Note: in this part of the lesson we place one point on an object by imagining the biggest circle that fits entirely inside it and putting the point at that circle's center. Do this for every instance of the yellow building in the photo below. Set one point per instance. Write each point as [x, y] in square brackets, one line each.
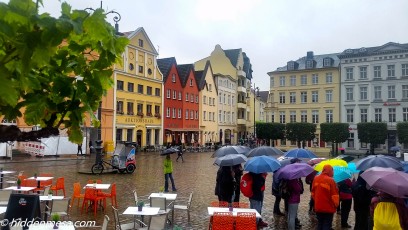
[208, 105]
[306, 90]
[138, 94]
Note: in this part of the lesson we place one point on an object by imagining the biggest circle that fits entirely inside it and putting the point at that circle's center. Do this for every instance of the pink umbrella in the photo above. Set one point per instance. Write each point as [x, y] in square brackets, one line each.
[387, 180]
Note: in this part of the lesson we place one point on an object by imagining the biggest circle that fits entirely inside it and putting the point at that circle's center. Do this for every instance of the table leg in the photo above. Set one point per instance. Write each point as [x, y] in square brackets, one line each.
[46, 209]
[1, 181]
[38, 184]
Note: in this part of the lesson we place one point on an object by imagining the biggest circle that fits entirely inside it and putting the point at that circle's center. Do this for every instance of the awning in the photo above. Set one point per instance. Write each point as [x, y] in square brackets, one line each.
[125, 126]
[183, 130]
[153, 126]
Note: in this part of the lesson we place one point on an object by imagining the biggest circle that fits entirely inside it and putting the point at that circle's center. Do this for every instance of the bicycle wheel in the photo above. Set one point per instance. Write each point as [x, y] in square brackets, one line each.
[97, 168]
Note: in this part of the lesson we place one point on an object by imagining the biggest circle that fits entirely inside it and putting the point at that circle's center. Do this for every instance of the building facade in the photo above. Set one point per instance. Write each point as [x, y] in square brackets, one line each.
[306, 90]
[374, 87]
[138, 93]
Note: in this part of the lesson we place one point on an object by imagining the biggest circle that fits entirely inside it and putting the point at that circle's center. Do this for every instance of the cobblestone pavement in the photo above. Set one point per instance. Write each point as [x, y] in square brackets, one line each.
[196, 174]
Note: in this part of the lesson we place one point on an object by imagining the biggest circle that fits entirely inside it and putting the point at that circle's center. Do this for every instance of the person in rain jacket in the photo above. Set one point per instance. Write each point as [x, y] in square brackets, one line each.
[168, 172]
[326, 196]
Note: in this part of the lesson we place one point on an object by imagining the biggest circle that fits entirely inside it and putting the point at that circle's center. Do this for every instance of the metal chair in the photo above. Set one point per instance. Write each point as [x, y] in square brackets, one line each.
[184, 204]
[124, 224]
[60, 207]
[165, 208]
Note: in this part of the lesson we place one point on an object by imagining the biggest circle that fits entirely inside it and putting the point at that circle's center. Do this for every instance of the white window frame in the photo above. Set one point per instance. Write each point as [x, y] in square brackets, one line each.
[173, 77]
[392, 115]
[404, 91]
[349, 73]
[363, 72]
[391, 71]
[329, 116]
[363, 92]
[315, 96]
[364, 115]
[378, 115]
[187, 114]
[303, 97]
[377, 92]
[315, 116]
[282, 81]
[168, 93]
[377, 72]
[349, 94]
[391, 92]
[315, 79]
[168, 111]
[179, 113]
[303, 80]
[329, 95]
[329, 78]
[293, 80]
[404, 70]
[292, 97]
[350, 115]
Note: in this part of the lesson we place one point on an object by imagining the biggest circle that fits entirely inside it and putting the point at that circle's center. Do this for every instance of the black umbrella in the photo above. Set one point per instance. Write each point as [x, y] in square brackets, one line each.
[264, 151]
[379, 161]
[346, 158]
[169, 151]
[230, 160]
[227, 150]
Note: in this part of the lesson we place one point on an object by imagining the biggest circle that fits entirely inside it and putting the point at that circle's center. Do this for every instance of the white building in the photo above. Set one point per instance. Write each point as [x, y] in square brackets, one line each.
[374, 87]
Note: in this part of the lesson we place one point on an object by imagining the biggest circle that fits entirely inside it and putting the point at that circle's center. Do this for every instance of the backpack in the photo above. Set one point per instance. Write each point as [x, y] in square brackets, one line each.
[386, 216]
[284, 189]
[246, 185]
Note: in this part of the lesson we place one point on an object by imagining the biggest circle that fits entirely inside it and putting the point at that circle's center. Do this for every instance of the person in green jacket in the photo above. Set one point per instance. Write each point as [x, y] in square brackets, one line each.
[168, 172]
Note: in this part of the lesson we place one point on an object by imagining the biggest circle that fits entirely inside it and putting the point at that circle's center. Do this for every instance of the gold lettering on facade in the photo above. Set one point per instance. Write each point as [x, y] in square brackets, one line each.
[139, 120]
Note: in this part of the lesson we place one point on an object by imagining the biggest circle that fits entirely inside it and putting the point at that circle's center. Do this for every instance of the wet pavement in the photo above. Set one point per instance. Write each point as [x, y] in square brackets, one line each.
[197, 174]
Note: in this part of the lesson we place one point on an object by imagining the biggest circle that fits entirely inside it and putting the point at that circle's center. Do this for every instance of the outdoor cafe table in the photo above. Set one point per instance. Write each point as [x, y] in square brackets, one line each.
[146, 211]
[211, 211]
[97, 186]
[40, 178]
[50, 226]
[2, 173]
[168, 196]
[21, 189]
[3, 209]
[47, 199]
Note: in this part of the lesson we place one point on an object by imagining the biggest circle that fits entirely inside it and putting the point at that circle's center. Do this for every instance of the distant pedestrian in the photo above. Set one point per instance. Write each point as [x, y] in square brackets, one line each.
[326, 197]
[79, 149]
[180, 154]
[168, 173]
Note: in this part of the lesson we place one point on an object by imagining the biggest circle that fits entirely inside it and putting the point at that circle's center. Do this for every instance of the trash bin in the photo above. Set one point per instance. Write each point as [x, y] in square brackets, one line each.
[405, 156]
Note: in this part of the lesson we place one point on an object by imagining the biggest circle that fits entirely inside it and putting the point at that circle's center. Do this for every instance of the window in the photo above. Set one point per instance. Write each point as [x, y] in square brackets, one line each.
[119, 133]
[168, 112]
[377, 71]
[391, 70]
[282, 80]
[378, 115]
[377, 92]
[392, 115]
[223, 117]
[119, 107]
[119, 85]
[179, 96]
[291, 65]
[309, 64]
[157, 109]
[149, 90]
[303, 80]
[350, 141]
[282, 117]
[187, 114]
[349, 74]
[173, 77]
[363, 72]
[130, 87]
[315, 116]
[363, 93]
[191, 82]
[405, 114]
[140, 42]
[404, 69]
[350, 115]
[149, 110]
[191, 98]
[196, 99]
[196, 115]
[140, 108]
[303, 97]
[129, 135]
[292, 97]
[315, 79]
[229, 100]
[179, 113]
[282, 98]
[329, 116]
[223, 99]
[140, 89]
[349, 94]
[329, 95]
[219, 116]
[210, 87]
[292, 116]
[329, 78]
[174, 113]
[391, 92]
[233, 116]
[157, 92]
[220, 98]
[130, 108]
[140, 69]
[186, 96]
[405, 92]
[293, 80]
[327, 62]
[315, 96]
[303, 116]
[363, 115]
[174, 94]
[168, 93]
[273, 117]
[233, 100]
[204, 100]
[204, 115]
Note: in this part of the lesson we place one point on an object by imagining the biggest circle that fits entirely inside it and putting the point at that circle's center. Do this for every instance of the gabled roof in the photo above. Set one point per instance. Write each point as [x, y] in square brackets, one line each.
[184, 71]
[247, 66]
[233, 56]
[131, 34]
[264, 95]
[200, 76]
[390, 47]
[165, 65]
[318, 63]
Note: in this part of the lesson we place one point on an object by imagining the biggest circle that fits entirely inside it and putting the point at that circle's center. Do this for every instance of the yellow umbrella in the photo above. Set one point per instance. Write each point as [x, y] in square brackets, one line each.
[332, 162]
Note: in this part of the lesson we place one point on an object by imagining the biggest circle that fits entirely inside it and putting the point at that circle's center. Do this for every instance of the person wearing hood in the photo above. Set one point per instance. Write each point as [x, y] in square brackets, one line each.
[326, 196]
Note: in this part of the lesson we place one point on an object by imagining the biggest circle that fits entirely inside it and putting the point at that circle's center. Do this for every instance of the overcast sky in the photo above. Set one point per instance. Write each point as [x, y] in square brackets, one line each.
[271, 32]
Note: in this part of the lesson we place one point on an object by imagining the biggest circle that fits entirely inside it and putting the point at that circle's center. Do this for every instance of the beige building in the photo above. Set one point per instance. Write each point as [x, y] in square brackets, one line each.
[208, 106]
[306, 90]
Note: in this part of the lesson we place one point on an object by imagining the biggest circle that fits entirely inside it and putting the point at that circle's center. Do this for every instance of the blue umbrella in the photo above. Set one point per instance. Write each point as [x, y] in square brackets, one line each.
[264, 151]
[352, 167]
[294, 171]
[395, 148]
[405, 166]
[340, 173]
[262, 164]
[300, 153]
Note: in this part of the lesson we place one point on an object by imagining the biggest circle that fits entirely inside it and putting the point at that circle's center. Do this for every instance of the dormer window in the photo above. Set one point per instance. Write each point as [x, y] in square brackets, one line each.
[327, 62]
[309, 64]
[291, 65]
[173, 77]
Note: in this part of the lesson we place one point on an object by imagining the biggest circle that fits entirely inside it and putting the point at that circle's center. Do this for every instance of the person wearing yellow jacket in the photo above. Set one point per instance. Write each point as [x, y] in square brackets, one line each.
[326, 196]
[168, 172]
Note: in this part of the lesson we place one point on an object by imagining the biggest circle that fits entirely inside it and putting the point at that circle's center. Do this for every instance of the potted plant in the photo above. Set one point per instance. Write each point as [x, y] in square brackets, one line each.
[35, 175]
[50, 194]
[18, 183]
[94, 184]
[55, 218]
[161, 190]
[140, 205]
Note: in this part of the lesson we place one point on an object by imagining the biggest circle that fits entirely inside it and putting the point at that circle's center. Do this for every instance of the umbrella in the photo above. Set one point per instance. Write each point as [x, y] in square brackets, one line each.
[380, 161]
[340, 173]
[405, 166]
[341, 149]
[288, 160]
[352, 167]
[345, 157]
[262, 164]
[230, 160]
[395, 148]
[169, 151]
[315, 161]
[294, 171]
[332, 162]
[301, 153]
[387, 180]
[264, 151]
[226, 150]
[243, 149]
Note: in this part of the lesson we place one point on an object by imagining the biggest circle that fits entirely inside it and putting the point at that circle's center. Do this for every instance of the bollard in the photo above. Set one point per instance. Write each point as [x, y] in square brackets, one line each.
[98, 149]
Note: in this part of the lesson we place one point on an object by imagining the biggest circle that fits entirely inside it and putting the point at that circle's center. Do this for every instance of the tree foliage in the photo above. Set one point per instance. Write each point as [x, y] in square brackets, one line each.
[402, 132]
[372, 132]
[39, 58]
[300, 132]
[270, 131]
[335, 133]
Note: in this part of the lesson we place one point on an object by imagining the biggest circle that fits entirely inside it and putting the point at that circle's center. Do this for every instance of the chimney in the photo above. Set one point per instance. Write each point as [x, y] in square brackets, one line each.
[309, 55]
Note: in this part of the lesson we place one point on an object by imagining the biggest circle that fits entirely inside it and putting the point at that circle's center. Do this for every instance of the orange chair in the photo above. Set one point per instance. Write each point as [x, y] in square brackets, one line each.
[111, 195]
[219, 204]
[60, 185]
[245, 221]
[77, 194]
[92, 181]
[222, 221]
[240, 204]
[47, 182]
[92, 197]
[31, 183]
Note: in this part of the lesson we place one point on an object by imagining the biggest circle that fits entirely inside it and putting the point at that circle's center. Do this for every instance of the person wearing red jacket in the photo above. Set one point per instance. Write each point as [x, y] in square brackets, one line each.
[326, 196]
[346, 198]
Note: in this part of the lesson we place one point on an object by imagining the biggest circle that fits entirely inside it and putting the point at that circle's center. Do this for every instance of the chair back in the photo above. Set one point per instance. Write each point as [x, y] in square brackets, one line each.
[135, 196]
[30, 182]
[158, 202]
[77, 189]
[90, 194]
[47, 190]
[245, 221]
[240, 204]
[45, 175]
[219, 204]
[158, 222]
[105, 223]
[60, 206]
[97, 181]
[223, 221]
[60, 183]
[116, 217]
[190, 199]
[5, 196]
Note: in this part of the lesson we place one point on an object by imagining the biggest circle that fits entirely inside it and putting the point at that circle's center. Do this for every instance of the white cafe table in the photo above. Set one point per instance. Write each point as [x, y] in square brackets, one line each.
[3, 209]
[40, 178]
[50, 226]
[146, 211]
[211, 211]
[168, 196]
[47, 198]
[21, 189]
[97, 186]
[2, 173]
